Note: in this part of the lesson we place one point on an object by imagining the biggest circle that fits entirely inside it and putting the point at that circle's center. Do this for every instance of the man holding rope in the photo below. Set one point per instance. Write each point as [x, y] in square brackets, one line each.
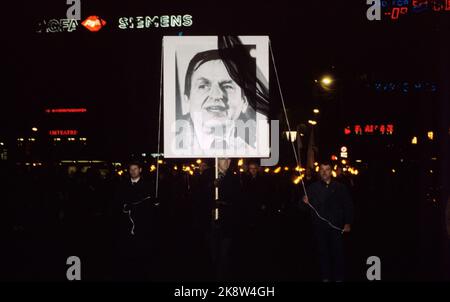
[332, 204]
[135, 227]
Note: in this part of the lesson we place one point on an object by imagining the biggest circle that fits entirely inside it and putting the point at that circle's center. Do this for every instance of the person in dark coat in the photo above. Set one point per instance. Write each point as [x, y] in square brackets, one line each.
[202, 197]
[255, 224]
[225, 227]
[332, 201]
[135, 227]
[202, 193]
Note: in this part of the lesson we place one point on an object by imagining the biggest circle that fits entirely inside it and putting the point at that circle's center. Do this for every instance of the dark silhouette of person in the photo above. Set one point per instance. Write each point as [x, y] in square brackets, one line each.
[332, 201]
[135, 227]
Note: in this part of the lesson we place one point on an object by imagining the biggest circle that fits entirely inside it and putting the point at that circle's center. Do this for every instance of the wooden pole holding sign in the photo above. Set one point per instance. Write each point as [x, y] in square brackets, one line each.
[216, 208]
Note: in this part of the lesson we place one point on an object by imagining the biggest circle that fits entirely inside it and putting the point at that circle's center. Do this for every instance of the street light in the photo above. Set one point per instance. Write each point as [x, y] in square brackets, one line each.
[312, 122]
[291, 135]
[34, 129]
[326, 80]
[316, 111]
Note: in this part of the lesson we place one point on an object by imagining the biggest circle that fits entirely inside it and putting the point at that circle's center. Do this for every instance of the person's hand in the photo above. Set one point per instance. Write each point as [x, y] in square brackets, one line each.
[305, 199]
[347, 228]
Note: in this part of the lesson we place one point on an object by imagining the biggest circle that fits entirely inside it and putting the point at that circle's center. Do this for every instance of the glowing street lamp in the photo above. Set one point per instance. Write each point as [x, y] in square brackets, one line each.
[326, 80]
[34, 129]
[312, 122]
[291, 135]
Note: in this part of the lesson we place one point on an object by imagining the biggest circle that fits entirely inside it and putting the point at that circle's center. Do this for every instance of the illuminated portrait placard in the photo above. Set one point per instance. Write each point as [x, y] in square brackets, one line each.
[216, 96]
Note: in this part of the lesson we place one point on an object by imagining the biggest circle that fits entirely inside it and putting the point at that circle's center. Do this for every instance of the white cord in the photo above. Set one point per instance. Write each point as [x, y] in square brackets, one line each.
[326, 220]
[297, 157]
[129, 211]
[131, 219]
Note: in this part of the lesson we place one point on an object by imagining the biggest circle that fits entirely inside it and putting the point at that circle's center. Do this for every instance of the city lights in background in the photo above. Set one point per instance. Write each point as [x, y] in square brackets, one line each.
[370, 129]
[430, 135]
[291, 135]
[66, 110]
[297, 173]
[414, 140]
[326, 83]
[344, 152]
[63, 132]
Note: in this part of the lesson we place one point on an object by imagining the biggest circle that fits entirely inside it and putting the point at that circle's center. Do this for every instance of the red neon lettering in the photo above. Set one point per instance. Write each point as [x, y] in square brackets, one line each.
[368, 129]
[63, 132]
[395, 13]
[390, 128]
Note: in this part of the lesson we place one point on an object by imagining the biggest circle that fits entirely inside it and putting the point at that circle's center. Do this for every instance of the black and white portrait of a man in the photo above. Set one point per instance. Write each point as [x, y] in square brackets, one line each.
[215, 97]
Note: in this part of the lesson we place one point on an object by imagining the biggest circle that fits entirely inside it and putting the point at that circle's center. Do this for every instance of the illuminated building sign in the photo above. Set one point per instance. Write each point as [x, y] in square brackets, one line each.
[370, 129]
[62, 132]
[93, 23]
[394, 9]
[141, 22]
[66, 110]
[404, 86]
[57, 26]
[344, 152]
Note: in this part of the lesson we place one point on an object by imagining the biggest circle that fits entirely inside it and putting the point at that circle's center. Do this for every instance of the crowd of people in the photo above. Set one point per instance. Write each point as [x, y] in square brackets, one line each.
[258, 227]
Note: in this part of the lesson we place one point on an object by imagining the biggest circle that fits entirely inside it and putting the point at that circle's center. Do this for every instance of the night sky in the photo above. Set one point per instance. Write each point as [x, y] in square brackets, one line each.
[115, 73]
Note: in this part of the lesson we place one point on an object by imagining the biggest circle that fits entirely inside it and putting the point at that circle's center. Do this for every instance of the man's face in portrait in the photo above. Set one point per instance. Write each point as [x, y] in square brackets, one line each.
[214, 96]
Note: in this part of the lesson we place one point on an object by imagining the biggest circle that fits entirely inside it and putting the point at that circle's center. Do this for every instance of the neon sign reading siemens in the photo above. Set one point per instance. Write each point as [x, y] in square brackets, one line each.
[143, 22]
